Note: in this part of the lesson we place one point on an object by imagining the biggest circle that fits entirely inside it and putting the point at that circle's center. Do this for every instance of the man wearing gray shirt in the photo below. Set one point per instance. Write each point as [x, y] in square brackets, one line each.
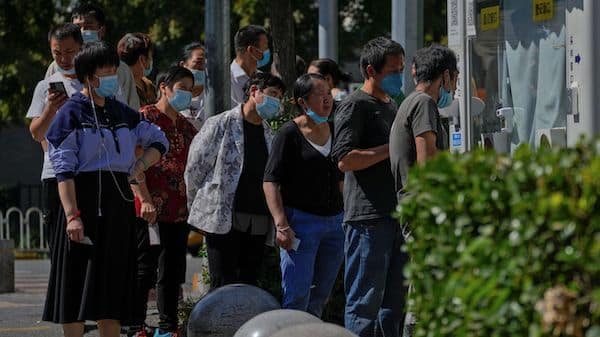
[417, 133]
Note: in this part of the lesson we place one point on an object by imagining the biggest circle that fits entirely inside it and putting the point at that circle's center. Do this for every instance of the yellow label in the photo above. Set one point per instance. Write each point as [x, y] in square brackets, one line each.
[543, 10]
[490, 18]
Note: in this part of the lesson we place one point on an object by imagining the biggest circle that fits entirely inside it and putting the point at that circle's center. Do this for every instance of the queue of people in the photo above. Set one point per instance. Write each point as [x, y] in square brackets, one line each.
[130, 164]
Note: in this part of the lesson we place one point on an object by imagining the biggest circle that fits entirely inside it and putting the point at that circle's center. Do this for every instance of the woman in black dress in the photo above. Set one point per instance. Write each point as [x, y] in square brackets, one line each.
[91, 143]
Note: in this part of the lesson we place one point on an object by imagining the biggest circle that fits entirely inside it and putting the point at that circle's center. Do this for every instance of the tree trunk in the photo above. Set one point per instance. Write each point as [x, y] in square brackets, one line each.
[282, 23]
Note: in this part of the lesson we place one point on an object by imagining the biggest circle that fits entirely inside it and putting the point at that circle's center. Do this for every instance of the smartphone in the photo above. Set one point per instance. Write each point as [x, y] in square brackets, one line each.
[58, 87]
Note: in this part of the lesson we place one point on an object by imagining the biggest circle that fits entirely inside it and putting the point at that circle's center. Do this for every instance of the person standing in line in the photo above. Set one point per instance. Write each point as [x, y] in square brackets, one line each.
[92, 143]
[137, 51]
[65, 42]
[251, 52]
[303, 190]
[161, 201]
[224, 179]
[417, 132]
[332, 73]
[194, 59]
[374, 283]
[92, 21]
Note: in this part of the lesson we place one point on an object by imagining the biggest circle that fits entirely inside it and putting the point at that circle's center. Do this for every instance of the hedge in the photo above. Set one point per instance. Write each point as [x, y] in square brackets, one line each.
[505, 246]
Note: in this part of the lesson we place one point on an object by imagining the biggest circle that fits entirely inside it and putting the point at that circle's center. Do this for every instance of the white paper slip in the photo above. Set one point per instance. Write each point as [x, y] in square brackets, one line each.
[295, 243]
[153, 234]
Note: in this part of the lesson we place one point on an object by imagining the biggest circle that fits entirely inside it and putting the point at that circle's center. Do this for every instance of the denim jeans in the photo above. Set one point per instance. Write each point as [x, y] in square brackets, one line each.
[309, 273]
[373, 278]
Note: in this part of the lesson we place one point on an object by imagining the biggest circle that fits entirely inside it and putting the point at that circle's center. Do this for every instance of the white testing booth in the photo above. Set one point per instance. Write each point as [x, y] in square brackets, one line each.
[533, 70]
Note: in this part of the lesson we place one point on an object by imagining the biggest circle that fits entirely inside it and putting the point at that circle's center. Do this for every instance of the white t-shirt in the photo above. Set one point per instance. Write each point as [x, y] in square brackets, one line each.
[38, 102]
[325, 149]
[238, 81]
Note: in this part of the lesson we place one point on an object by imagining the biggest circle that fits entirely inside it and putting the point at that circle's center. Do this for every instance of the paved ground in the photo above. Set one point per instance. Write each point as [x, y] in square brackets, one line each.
[20, 312]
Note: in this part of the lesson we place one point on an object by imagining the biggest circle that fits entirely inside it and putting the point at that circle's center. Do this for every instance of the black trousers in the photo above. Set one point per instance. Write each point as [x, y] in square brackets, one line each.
[170, 259]
[50, 208]
[234, 257]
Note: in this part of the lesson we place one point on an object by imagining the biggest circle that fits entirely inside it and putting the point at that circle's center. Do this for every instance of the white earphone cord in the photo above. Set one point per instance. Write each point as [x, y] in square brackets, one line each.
[107, 159]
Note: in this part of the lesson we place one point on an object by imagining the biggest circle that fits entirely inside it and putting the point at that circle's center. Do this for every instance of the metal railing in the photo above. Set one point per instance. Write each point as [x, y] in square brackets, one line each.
[15, 223]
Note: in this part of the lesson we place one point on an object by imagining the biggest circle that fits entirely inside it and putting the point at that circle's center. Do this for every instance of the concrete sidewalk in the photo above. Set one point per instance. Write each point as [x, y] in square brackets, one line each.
[20, 312]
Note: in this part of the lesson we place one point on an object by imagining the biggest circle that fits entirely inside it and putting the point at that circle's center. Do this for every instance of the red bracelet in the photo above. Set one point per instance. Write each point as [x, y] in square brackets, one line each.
[75, 216]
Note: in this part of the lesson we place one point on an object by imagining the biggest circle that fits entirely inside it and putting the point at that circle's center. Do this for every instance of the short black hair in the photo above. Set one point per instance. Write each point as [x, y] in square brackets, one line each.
[263, 81]
[375, 52]
[431, 62]
[247, 36]
[300, 66]
[94, 55]
[65, 31]
[89, 9]
[173, 75]
[189, 48]
[132, 46]
[330, 67]
[303, 86]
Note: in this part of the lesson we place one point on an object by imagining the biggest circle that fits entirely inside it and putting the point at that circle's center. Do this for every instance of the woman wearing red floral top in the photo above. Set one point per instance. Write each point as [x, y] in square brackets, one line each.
[161, 199]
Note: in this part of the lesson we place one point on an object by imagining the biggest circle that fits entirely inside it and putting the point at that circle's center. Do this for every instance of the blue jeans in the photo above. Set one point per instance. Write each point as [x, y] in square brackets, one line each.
[373, 280]
[309, 273]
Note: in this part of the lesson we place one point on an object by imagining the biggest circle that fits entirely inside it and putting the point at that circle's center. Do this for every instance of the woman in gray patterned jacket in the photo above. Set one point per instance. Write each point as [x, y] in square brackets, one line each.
[223, 176]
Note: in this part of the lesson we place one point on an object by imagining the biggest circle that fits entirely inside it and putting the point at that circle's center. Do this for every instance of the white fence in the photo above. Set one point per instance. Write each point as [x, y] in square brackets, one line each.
[22, 223]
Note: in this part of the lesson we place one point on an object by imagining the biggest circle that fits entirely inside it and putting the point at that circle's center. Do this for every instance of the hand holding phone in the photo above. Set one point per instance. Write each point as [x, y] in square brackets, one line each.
[58, 87]
[57, 96]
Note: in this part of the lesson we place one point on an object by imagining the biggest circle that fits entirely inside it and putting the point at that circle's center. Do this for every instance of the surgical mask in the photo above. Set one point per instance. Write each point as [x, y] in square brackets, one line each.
[392, 84]
[181, 100]
[108, 86]
[318, 119]
[148, 71]
[65, 71]
[90, 36]
[445, 98]
[199, 76]
[269, 108]
[265, 59]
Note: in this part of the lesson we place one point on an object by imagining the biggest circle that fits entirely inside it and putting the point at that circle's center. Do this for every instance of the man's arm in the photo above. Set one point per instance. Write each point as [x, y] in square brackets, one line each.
[39, 125]
[425, 144]
[360, 159]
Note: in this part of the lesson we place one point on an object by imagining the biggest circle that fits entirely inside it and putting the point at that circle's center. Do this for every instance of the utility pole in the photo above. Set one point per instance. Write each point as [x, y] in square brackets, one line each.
[328, 29]
[407, 29]
[218, 54]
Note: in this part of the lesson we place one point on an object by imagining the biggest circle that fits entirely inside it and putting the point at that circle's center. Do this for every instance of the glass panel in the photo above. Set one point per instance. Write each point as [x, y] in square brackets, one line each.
[518, 64]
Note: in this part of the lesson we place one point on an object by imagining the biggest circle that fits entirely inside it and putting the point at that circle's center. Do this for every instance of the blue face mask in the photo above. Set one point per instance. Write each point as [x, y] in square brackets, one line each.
[199, 77]
[265, 59]
[445, 98]
[65, 71]
[148, 71]
[392, 84]
[90, 36]
[108, 86]
[181, 100]
[318, 119]
[269, 108]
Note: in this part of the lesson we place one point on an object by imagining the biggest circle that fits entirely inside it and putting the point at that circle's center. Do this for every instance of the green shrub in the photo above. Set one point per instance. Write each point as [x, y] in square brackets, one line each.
[505, 246]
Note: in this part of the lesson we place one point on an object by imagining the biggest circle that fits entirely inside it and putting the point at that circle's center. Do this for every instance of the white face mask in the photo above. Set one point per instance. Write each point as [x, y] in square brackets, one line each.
[90, 36]
[65, 71]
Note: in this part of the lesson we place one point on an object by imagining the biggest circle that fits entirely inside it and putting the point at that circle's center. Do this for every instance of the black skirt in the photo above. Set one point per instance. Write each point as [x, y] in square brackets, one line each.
[95, 282]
